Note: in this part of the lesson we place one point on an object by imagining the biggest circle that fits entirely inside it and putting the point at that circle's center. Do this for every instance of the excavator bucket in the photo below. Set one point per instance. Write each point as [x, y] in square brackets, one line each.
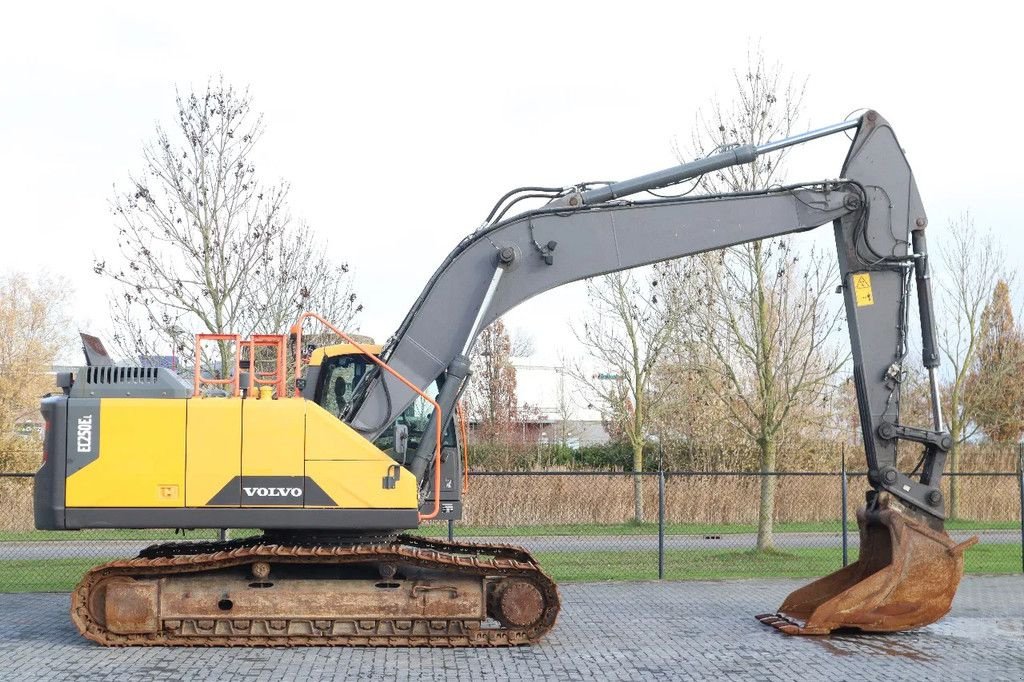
[905, 578]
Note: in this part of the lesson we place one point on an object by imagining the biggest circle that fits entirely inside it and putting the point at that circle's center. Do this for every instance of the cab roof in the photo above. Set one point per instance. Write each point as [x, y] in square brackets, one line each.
[318, 355]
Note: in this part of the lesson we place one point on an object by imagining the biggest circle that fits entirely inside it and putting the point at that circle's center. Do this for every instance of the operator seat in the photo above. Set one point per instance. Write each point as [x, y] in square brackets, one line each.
[340, 391]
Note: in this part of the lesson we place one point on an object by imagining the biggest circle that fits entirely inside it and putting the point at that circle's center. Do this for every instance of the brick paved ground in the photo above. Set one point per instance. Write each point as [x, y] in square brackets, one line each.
[628, 631]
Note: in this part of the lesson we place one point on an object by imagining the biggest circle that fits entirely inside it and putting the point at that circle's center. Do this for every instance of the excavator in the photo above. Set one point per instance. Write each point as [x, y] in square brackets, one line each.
[336, 460]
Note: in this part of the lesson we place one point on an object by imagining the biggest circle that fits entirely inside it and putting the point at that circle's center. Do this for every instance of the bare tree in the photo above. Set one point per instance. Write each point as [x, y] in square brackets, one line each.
[765, 334]
[520, 344]
[565, 408]
[707, 436]
[492, 397]
[33, 330]
[625, 335]
[765, 326]
[302, 277]
[995, 378]
[973, 267]
[206, 244]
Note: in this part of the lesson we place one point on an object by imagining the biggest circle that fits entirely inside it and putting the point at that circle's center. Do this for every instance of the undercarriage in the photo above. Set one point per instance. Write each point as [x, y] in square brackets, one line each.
[383, 591]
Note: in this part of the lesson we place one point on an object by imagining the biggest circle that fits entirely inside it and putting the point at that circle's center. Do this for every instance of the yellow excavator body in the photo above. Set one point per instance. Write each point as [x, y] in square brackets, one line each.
[211, 453]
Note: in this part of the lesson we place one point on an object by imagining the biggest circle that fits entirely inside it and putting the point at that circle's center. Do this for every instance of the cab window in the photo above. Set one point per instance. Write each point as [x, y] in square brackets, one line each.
[417, 418]
[339, 377]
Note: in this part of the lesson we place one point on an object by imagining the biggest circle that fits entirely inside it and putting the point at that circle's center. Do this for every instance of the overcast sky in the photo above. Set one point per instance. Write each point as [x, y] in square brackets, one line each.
[399, 125]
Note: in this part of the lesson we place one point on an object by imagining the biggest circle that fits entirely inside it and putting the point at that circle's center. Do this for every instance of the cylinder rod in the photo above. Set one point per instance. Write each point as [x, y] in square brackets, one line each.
[925, 305]
[807, 137]
[482, 310]
[687, 171]
[933, 382]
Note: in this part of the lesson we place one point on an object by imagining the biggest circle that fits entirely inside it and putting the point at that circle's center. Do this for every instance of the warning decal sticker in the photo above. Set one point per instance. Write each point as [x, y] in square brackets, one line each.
[862, 289]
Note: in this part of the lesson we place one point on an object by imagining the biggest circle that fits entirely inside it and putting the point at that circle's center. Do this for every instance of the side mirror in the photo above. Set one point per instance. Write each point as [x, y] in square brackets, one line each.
[401, 439]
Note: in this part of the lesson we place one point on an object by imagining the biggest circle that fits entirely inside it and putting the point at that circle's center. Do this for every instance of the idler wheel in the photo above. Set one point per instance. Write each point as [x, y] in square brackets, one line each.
[518, 604]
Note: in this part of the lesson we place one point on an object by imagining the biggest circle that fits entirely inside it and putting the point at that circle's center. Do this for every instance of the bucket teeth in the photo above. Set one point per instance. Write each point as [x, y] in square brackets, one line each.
[784, 624]
[788, 625]
[905, 578]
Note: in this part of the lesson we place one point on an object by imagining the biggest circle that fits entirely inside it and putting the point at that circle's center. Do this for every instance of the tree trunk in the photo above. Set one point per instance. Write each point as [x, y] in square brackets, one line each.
[638, 487]
[226, 360]
[766, 509]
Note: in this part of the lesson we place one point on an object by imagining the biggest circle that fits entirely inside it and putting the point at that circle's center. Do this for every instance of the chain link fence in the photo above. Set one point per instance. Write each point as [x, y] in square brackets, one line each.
[600, 525]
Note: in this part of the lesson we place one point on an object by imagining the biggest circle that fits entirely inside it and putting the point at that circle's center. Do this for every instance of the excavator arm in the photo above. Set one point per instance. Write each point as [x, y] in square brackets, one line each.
[879, 229]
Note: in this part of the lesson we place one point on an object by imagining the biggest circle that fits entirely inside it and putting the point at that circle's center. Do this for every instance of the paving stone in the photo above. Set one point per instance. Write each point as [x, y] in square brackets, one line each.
[614, 631]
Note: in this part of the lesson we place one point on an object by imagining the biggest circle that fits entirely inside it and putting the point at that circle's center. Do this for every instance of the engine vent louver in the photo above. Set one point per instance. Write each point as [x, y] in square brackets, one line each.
[108, 381]
[109, 375]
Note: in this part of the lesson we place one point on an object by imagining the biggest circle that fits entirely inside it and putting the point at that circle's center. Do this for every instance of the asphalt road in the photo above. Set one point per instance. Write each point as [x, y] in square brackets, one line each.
[606, 631]
[547, 543]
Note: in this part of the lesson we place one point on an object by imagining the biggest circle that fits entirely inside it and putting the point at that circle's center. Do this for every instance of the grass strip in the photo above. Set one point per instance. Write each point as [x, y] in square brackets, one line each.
[441, 530]
[699, 564]
[61, 575]
[590, 529]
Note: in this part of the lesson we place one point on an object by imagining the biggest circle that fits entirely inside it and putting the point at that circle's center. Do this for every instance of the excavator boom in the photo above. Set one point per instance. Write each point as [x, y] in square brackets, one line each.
[878, 217]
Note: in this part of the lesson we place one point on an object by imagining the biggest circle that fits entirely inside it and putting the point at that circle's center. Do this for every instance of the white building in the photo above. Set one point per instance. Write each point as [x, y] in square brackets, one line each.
[554, 407]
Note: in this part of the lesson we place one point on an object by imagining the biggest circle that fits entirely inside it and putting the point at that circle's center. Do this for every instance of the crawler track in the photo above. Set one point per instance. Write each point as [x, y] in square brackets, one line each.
[518, 602]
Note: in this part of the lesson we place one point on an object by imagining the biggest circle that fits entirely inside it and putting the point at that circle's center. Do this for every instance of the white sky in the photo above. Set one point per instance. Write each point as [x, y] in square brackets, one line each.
[399, 125]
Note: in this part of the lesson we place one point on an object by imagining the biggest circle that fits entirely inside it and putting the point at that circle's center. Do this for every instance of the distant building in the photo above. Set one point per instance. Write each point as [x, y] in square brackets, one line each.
[554, 407]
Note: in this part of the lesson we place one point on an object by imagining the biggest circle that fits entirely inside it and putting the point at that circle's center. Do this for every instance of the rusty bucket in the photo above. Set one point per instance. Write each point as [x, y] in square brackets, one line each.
[905, 578]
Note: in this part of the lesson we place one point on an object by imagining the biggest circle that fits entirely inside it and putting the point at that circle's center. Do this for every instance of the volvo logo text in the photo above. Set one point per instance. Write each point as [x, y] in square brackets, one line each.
[273, 492]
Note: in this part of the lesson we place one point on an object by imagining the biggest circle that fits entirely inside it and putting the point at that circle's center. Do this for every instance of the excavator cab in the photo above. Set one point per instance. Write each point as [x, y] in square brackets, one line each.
[332, 378]
[333, 373]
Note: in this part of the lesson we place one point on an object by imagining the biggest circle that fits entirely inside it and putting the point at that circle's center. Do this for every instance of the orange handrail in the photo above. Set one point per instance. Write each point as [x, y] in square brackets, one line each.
[275, 378]
[297, 331]
[464, 437]
[197, 375]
